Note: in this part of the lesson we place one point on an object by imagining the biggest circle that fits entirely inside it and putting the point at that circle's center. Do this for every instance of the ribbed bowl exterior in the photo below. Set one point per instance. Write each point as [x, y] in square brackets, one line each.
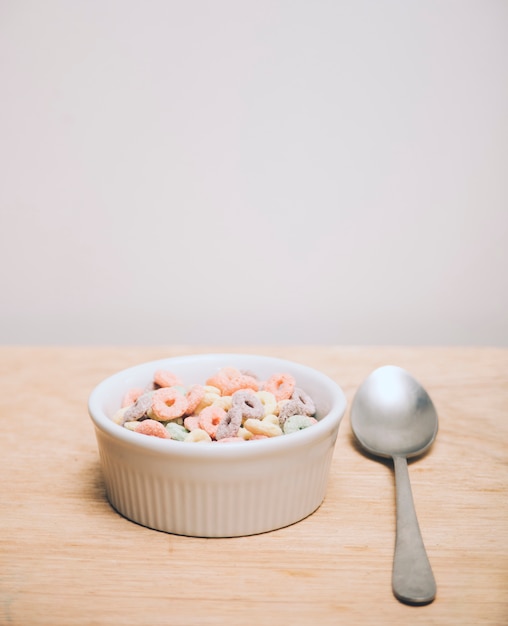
[220, 501]
[216, 490]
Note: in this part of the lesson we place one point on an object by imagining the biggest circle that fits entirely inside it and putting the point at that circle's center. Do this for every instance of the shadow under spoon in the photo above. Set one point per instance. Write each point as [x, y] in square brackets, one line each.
[393, 416]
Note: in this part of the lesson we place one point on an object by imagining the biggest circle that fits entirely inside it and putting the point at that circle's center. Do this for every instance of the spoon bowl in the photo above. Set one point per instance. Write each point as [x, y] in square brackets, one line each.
[393, 416]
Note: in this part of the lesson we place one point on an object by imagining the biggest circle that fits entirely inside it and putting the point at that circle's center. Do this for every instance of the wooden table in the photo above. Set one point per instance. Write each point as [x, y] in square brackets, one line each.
[67, 558]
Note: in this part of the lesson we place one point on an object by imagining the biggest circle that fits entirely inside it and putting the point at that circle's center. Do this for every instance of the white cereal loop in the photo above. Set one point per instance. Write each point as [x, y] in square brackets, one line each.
[198, 436]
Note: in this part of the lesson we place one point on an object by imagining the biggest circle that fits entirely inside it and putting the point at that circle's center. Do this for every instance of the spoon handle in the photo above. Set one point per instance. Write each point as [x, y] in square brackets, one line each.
[412, 578]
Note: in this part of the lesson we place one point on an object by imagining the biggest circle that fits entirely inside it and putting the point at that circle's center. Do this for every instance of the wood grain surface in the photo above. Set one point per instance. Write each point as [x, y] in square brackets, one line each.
[67, 558]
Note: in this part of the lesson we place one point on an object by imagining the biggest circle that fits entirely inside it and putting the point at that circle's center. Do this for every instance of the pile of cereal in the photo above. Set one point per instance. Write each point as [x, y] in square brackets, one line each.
[233, 405]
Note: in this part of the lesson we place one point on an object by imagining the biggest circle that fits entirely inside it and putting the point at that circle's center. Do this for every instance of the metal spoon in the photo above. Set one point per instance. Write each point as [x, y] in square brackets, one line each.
[393, 416]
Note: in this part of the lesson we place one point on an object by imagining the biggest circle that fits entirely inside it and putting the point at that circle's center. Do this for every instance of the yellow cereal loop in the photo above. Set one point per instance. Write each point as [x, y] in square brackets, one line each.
[271, 418]
[198, 435]
[224, 402]
[208, 399]
[268, 401]
[244, 433]
[262, 427]
[211, 389]
[119, 416]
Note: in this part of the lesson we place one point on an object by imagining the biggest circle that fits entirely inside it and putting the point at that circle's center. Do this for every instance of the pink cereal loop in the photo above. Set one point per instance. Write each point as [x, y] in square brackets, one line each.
[210, 418]
[165, 378]
[229, 380]
[131, 396]
[168, 404]
[281, 385]
[153, 428]
[194, 396]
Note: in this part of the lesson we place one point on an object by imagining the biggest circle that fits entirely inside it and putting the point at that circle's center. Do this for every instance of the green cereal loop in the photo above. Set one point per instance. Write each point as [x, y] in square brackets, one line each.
[297, 422]
[176, 431]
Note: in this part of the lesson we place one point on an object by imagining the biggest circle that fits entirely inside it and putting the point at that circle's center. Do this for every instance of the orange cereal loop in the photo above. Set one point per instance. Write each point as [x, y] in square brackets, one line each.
[168, 404]
[191, 422]
[165, 378]
[248, 382]
[194, 396]
[210, 418]
[152, 428]
[230, 379]
[131, 396]
[218, 379]
[281, 385]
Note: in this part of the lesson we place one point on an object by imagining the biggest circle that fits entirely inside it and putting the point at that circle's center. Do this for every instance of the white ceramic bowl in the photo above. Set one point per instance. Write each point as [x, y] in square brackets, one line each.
[209, 489]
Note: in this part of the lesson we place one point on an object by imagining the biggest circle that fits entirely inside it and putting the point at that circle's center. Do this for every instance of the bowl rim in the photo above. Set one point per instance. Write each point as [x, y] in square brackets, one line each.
[170, 447]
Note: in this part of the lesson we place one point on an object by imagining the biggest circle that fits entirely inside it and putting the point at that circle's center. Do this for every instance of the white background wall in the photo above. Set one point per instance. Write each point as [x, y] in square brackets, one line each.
[254, 171]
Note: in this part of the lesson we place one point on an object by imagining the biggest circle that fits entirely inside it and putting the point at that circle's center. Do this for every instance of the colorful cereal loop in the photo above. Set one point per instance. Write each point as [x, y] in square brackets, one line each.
[167, 404]
[210, 418]
[230, 425]
[165, 378]
[229, 380]
[152, 428]
[281, 385]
